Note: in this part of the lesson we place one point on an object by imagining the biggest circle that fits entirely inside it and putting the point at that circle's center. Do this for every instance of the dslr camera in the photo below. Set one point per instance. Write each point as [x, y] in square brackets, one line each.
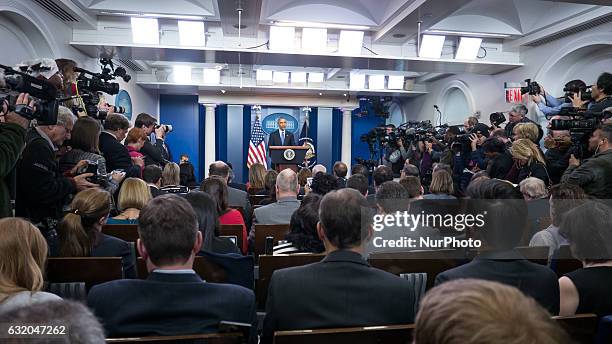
[13, 82]
[533, 88]
[497, 118]
[167, 127]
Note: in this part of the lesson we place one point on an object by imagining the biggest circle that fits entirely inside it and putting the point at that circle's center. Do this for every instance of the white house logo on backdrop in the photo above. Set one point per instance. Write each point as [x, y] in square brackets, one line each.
[124, 100]
[270, 123]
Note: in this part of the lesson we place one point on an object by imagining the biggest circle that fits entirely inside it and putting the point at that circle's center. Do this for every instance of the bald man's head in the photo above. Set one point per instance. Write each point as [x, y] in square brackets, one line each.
[287, 183]
[219, 169]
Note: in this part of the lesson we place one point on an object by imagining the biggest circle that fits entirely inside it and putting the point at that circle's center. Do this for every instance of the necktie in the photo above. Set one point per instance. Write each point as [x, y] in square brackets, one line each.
[282, 137]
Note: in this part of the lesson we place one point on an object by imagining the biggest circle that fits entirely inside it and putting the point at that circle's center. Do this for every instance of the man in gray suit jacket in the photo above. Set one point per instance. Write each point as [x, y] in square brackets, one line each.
[235, 197]
[287, 189]
[342, 290]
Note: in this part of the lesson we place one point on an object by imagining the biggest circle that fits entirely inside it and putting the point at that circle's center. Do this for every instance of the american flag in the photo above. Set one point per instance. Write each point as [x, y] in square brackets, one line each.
[257, 146]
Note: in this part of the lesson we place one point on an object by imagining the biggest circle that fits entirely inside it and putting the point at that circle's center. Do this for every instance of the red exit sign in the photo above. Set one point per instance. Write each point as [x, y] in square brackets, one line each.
[513, 95]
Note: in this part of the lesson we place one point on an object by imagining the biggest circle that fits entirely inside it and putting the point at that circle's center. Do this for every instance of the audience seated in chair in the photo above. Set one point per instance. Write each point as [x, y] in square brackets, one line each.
[342, 290]
[133, 196]
[80, 231]
[441, 185]
[588, 228]
[81, 326]
[340, 171]
[256, 184]
[152, 175]
[173, 300]
[287, 189]
[303, 176]
[302, 236]
[322, 183]
[381, 174]
[563, 198]
[235, 197]
[358, 182]
[171, 179]
[23, 253]
[217, 189]
[413, 186]
[270, 187]
[503, 228]
[205, 208]
[470, 311]
[536, 194]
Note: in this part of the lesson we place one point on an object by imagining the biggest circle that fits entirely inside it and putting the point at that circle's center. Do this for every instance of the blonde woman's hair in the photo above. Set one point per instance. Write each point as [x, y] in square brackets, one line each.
[171, 175]
[528, 131]
[525, 149]
[134, 193]
[76, 232]
[23, 254]
[257, 176]
[441, 182]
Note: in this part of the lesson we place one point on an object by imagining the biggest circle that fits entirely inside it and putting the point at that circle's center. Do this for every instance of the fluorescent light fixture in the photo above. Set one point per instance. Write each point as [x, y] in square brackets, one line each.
[314, 40]
[282, 38]
[263, 77]
[357, 81]
[396, 82]
[191, 33]
[320, 25]
[298, 78]
[212, 76]
[377, 82]
[431, 46]
[152, 15]
[468, 48]
[315, 78]
[280, 78]
[467, 33]
[181, 74]
[145, 31]
[350, 42]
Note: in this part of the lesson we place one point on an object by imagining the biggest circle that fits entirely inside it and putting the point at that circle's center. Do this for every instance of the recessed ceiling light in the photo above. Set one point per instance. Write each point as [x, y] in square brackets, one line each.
[431, 46]
[344, 94]
[241, 27]
[320, 93]
[223, 91]
[399, 35]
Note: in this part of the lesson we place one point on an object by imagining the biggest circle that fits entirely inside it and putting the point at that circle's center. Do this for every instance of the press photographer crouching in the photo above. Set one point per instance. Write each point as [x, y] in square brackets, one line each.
[595, 174]
[42, 190]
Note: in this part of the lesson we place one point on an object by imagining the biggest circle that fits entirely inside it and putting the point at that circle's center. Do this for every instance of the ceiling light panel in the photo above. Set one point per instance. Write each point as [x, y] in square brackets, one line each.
[263, 77]
[181, 74]
[396, 82]
[280, 78]
[431, 46]
[145, 31]
[212, 76]
[298, 79]
[350, 42]
[282, 38]
[357, 81]
[468, 48]
[191, 33]
[377, 82]
[314, 40]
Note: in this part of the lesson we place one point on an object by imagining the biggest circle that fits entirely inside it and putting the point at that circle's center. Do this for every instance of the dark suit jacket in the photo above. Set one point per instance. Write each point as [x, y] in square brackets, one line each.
[155, 154]
[170, 304]
[156, 192]
[275, 139]
[109, 246]
[509, 267]
[117, 156]
[340, 291]
[238, 186]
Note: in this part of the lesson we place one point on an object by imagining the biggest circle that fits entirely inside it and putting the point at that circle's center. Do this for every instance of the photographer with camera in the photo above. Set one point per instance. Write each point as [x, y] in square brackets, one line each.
[517, 115]
[12, 140]
[42, 190]
[595, 174]
[396, 153]
[155, 153]
[550, 105]
[558, 144]
[601, 94]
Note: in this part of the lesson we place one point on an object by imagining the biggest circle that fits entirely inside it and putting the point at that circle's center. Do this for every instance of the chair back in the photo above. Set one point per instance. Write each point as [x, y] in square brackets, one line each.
[232, 231]
[211, 338]
[75, 291]
[89, 270]
[278, 232]
[418, 281]
[239, 269]
[563, 261]
[396, 334]
[581, 327]
[123, 232]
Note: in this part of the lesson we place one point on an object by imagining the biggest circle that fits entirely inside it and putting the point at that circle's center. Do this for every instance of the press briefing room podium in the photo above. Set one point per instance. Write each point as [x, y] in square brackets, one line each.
[287, 156]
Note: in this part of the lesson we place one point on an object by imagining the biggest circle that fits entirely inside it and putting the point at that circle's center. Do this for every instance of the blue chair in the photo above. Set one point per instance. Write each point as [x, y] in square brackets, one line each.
[604, 333]
[239, 269]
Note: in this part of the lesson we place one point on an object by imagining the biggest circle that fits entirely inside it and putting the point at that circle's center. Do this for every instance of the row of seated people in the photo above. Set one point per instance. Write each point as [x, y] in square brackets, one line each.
[337, 291]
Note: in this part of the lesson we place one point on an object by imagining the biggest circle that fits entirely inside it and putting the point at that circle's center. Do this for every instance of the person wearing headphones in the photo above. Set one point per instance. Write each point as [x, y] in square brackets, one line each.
[595, 174]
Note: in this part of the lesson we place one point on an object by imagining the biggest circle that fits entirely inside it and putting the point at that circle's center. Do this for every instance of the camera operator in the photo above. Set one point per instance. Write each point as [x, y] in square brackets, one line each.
[12, 140]
[470, 123]
[601, 94]
[558, 145]
[156, 153]
[41, 189]
[446, 157]
[550, 105]
[116, 154]
[517, 115]
[595, 174]
[499, 159]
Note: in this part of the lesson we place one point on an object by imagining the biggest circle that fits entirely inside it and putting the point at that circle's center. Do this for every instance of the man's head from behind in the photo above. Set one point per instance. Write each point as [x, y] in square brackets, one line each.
[470, 311]
[346, 229]
[358, 182]
[392, 197]
[118, 124]
[413, 186]
[152, 175]
[219, 169]
[340, 169]
[382, 174]
[168, 230]
[360, 169]
[287, 184]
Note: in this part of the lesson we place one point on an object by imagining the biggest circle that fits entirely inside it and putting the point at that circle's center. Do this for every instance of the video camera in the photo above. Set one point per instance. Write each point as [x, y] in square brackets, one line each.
[533, 88]
[580, 125]
[89, 85]
[14, 82]
[585, 93]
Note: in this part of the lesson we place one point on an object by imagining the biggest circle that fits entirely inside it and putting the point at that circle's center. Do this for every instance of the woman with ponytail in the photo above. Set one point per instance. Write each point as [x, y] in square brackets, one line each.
[80, 231]
[23, 254]
[529, 161]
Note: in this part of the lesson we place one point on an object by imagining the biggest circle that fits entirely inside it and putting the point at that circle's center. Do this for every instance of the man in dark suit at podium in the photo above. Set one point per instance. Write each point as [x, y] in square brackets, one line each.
[281, 136]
